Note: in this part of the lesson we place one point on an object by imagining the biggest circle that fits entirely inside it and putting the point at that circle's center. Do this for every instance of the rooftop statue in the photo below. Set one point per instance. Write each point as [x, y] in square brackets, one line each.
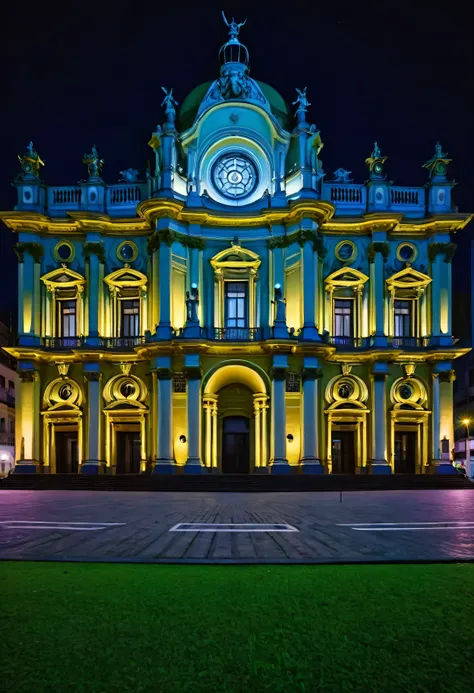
[376, 151]
[234, 28]
[313, 147]
[342, 176]
[30, 161]
[302, 101]
[438, 163]
[94, 163]
[439, 151]
[130, 175]
[169, 102]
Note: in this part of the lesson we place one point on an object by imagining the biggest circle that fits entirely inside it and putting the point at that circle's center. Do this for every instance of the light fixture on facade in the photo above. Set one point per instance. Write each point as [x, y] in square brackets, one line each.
[182, 439]
[289, 438]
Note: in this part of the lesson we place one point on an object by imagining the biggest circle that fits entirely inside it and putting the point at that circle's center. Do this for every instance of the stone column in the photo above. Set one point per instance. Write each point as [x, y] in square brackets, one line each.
[435, 421]
[379, 464]
[93, 293]
[192, 371]
[165, 463]
[27, 426]
[446, 377]
[436, 296]
[379, 294]
[165, 278]
[310, 289]
[29, 299]
[208, 405]
[311, 375]
[214, 438]
[279, 462]
[93, 464]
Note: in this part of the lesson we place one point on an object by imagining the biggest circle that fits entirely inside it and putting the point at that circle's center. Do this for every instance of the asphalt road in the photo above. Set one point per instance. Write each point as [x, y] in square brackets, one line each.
[435, 525]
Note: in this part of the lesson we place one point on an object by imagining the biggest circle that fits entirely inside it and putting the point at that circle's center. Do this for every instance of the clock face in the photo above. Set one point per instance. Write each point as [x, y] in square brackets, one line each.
[235, 176]
[378, 168]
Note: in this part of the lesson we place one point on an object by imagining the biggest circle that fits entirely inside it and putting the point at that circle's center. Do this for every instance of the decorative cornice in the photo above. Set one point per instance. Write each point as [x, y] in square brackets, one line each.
[303, 236]
[94, 248]
[169, 237]
[378, 247]
[311, 373]
[447, 376]
[193, 372]
[446, 249]
[278, 373]
[36, 251]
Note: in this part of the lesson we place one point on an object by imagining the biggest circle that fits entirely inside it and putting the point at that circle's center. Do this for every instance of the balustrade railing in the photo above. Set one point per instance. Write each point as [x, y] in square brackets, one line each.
[409, 342]
[64, 196]
[124, 195]
[62, 342]
[121, 342]
[349, 342]
[236, 334]
[412, 197]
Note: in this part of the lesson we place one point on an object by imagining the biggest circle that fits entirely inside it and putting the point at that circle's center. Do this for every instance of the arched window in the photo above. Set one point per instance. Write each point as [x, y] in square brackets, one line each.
[127, 303]
[63, 303]
[345, 297]
[235, 304]
[407, 315]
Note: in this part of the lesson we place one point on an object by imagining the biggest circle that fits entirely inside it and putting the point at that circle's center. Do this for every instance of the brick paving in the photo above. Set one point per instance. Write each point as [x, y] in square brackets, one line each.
[148, 517]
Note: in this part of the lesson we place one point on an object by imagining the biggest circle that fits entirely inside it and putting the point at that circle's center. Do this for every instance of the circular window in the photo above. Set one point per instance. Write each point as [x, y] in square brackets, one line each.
[127, 251]
[127, 389]
[346, 251]
[235, 175]
[406, 252]
[64, 252]
[65, 391]
[405, 391]
[344, 391]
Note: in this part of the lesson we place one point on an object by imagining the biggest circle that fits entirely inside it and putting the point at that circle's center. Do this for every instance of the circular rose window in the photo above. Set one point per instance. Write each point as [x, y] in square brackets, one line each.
[235, 176]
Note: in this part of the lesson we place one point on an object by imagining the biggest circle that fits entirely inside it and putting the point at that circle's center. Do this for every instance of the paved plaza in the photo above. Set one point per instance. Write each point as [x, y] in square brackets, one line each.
[237, 527]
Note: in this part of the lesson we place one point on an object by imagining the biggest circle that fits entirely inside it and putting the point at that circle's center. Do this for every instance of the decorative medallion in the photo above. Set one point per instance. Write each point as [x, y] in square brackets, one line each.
[127, 251]
[407, 252]
[235, 175]
[346, 251]
[64, 251]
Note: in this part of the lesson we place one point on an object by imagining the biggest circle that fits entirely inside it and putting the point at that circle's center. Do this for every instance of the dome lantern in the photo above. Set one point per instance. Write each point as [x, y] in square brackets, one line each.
[233, 51]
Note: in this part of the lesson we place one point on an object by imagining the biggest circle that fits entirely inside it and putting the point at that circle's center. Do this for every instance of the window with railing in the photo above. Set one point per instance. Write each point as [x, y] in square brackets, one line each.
[403, 318]
[66, 319]
[236, 304]
[343, 317]
[130, 319]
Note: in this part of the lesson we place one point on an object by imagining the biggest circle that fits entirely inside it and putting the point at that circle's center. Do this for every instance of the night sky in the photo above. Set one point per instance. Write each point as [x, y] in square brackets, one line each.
[78, 74]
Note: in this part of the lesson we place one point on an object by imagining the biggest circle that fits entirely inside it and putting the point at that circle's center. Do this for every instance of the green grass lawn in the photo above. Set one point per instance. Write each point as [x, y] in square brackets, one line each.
[97, 628]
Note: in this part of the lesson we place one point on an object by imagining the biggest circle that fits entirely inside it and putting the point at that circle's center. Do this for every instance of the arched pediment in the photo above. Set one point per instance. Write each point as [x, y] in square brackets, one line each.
[236, 257]
[408, 278]
[346, 276]
[235, 373]
[126, 276]
[63, 277]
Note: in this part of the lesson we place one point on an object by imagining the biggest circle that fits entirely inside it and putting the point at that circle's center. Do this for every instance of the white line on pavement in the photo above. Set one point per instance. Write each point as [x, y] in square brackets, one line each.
[68, 527]
[405, 529]
[231, 527]
[444, 522]
[55, 522]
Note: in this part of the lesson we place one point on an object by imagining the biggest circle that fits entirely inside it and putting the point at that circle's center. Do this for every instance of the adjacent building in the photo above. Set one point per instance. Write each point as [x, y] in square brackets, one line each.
[237, 309]
[7, 404]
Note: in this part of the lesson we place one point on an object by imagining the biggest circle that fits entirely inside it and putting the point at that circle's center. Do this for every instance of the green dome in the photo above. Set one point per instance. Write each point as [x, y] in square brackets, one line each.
[190, 105]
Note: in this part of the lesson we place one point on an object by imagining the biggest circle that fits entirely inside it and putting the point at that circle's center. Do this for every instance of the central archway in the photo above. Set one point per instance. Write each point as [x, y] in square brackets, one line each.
[224, 413]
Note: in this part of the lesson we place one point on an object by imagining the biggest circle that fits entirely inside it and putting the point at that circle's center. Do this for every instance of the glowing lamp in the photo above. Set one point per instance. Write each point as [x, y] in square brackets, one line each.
[182, 439]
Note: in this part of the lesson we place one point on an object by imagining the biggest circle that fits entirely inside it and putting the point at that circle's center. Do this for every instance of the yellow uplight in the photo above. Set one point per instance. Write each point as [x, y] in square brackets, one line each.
[466, 422]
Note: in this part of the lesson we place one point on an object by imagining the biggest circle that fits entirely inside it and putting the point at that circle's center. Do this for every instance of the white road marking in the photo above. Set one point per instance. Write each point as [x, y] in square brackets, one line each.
[405, 529]
[71, 526]
[363, 524]
[232, 527]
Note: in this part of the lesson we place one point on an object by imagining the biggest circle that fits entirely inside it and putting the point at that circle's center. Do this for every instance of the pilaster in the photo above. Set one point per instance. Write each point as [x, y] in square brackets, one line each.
[379, 464]
[192, 370]
[279, 462]
[93, 464]
[165, 463]
[311, 376]
[27, 430]
[444, 376]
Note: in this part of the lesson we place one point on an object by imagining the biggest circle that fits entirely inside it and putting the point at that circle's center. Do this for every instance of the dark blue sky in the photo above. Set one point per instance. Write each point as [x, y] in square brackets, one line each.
[90, 73]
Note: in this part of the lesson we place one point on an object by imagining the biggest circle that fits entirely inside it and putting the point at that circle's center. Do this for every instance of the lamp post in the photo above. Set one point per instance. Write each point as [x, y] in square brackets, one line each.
[466, 422]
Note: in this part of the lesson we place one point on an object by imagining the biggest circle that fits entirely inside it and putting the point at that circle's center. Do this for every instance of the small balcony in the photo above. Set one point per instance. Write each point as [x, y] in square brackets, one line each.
[7, 439]
[350, 343]
[62, 342]
[121, 342]
[235, 334]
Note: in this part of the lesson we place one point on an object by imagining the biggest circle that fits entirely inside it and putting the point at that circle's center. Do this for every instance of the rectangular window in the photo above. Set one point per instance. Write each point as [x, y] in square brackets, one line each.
[11, 384]
[236, 308]
[343, 317]
[403, 319]
[179, 382]
[130, 322]
[2, 381]
[67, 318]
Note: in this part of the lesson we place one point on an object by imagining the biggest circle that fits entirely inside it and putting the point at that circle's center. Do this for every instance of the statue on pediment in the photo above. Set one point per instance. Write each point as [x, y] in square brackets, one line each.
[94, 163]
[169, 102]
[342, 176]
[302, 101]
[234, 28]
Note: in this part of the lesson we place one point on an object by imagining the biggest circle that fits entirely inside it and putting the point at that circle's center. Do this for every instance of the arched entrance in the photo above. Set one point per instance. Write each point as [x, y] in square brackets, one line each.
[236, 421]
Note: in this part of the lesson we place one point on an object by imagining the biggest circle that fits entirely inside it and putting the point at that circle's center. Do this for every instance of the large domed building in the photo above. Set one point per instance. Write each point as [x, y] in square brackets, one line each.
[238, 310]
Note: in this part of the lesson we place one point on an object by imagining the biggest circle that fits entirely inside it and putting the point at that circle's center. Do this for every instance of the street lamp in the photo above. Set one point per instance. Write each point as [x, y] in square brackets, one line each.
[466, 422]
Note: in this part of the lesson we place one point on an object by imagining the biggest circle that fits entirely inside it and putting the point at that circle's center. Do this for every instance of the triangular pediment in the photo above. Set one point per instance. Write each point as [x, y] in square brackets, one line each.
[63, 276]
[408, 278]
[126, 276]
[346, 276]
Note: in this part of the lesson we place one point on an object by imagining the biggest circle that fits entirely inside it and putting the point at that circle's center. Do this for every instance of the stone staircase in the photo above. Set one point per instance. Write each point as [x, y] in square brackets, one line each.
[233, 482]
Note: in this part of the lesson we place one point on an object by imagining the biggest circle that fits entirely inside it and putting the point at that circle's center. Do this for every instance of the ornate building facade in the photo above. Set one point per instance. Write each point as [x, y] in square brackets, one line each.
[237, 310]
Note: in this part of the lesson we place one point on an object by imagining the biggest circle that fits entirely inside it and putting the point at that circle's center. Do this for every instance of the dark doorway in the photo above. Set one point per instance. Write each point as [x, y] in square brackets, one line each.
[67, 460]
[235, 445]
[128, 452]
[343, 452]
[405, 452]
